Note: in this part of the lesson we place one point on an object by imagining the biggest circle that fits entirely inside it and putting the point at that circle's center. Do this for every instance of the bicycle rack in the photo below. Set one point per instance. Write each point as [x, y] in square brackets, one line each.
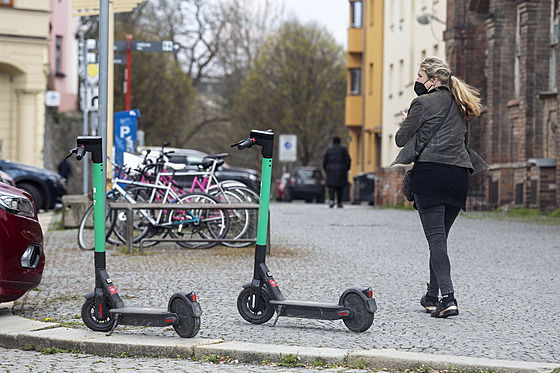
[129, 207]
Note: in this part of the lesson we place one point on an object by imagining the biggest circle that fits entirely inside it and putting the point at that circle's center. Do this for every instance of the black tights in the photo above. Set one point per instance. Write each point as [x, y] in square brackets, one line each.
[436, 222]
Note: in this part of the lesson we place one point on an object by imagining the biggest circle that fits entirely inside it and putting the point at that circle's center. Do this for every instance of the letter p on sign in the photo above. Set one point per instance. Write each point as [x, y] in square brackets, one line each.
[125, 130]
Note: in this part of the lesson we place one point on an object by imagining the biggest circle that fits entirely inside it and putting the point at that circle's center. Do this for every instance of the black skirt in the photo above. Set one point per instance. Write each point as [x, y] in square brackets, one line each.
[438, 183]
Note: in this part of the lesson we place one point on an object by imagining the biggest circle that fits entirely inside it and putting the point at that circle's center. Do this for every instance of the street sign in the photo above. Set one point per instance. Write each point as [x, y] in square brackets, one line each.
[125, 133]
[92, 73]
[287, 148]
[92, 98]
[119, 59]
[139, 46]
[148, 46]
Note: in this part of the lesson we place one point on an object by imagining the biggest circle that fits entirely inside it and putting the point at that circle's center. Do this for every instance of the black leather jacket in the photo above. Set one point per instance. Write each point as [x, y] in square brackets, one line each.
[449, 145]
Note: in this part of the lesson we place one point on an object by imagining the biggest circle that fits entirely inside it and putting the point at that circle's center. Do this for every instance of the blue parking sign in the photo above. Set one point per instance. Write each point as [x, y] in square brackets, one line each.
[125, 133]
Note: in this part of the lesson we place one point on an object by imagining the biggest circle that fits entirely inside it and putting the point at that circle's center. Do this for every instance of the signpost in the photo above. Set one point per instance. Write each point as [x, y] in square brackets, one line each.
[287, 148]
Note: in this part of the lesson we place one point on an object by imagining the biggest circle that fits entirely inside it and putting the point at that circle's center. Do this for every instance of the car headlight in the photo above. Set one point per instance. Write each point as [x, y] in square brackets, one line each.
[253, 177]
[16, 205]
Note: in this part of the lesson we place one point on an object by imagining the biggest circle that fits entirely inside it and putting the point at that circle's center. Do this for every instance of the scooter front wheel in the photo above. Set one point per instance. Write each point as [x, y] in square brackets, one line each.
[89, 317]
[260, 317]
[188, 325]
[361, 318]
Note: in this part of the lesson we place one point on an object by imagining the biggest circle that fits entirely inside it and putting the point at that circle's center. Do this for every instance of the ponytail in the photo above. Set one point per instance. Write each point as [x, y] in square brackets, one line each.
[466, 96]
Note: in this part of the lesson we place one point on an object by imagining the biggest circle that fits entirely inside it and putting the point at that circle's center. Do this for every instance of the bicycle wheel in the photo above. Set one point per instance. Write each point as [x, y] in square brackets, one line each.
[141, 226]
[86, 232]
[205, 223]
[248, 196]
[239, 219]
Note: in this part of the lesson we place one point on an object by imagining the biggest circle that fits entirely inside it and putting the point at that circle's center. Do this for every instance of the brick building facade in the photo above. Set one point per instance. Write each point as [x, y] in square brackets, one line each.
[507, 49]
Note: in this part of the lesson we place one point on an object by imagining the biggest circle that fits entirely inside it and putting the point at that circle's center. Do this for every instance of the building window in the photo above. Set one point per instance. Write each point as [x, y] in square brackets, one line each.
[7, 3]
[355, 81]
[517, 63]
[553, 47]
[356, 14]
[58, 55]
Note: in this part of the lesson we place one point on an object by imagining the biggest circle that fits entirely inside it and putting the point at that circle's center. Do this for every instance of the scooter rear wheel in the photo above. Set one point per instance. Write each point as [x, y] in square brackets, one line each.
[260, 317]
[91, 321]
[361, 319]
[188, 325]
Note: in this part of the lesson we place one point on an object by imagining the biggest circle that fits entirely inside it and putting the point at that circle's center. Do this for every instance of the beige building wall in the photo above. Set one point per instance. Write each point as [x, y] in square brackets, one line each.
[410, 42]
[23, 78]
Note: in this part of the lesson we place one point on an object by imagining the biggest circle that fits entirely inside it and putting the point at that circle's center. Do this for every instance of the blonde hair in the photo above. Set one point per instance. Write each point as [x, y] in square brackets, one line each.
[466, 96]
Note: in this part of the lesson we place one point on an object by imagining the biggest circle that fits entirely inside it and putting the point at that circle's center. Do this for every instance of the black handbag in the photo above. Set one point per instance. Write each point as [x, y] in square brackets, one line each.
[407, 180]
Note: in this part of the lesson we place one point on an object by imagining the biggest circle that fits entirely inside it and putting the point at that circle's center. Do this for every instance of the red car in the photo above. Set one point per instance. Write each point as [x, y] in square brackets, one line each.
[281, 185]
[21, 244]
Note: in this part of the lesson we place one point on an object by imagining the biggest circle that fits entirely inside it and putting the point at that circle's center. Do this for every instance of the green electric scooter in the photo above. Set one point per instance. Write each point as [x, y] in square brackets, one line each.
[261, 297]
[104, 309]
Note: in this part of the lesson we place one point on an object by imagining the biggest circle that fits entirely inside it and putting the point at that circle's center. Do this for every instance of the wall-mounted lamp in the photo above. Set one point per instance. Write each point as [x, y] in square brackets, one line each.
[425, 18]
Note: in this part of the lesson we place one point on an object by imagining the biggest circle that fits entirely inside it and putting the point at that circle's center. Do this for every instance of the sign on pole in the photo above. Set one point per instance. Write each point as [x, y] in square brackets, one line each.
[287, 148]
[125, 133]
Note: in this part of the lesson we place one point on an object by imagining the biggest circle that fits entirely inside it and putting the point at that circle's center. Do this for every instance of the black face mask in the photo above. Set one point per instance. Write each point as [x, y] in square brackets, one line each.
[420, 88]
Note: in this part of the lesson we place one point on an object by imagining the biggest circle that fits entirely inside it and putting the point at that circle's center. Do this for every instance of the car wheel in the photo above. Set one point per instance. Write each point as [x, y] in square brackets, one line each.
[288, 195]
[35, 193]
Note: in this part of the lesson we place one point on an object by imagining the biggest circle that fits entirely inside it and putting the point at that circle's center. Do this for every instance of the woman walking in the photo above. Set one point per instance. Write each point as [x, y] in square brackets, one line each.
[435, 132]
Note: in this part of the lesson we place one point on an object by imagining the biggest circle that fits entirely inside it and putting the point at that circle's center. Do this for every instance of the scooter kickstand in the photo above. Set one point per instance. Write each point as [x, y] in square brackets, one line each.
[114, 325]
[278, 313]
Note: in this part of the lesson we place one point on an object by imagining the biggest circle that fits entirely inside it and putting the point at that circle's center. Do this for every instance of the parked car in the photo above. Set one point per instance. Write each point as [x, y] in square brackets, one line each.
[45, 186]
[281, 186]
[306, 183]
[21, 244]
[7, 179]
[187, 157]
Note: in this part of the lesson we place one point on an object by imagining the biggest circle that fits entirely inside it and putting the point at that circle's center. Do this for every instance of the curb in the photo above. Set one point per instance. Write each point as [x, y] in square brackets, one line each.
[18, 332]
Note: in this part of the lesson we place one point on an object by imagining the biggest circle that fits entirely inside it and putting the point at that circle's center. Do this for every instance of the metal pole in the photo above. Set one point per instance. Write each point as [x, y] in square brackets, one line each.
[363, 83]
[103, 84]
[85, 131]
[128, 49]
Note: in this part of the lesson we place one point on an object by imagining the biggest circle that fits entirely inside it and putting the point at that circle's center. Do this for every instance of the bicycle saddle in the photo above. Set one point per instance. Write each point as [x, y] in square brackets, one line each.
[207, 163]
[216, 156]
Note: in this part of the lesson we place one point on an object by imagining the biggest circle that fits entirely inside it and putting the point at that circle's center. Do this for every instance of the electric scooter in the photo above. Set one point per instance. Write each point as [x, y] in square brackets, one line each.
[104, 309]
[260, 298]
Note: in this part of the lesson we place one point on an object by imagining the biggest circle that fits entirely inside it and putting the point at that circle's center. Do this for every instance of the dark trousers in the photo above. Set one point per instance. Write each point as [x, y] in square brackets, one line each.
[436, 222]
[338, 190]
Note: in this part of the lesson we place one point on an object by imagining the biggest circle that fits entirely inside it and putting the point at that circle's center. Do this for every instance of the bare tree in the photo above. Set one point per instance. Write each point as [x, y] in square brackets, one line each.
[297, 85]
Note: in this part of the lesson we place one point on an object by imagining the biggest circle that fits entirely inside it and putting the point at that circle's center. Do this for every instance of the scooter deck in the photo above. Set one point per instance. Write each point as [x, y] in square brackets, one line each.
[144, 316]
[311, 310]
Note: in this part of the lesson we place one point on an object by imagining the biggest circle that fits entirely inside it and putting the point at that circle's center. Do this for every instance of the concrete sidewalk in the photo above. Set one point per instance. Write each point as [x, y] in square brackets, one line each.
[19, 332]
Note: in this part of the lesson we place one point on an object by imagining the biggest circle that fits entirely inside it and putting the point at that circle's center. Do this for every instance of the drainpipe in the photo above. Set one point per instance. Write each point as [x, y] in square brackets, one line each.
[363, 88]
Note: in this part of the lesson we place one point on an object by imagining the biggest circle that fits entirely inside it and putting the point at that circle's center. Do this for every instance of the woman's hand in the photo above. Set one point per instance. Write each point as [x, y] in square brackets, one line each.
[403, 113]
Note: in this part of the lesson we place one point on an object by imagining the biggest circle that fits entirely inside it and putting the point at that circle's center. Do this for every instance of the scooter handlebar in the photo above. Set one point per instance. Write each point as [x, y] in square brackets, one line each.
[80, 151]
[244, 144]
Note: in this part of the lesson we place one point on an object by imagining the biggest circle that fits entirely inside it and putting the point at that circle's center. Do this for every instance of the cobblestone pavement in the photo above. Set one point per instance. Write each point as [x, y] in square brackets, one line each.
[14, 361]
[505, 275]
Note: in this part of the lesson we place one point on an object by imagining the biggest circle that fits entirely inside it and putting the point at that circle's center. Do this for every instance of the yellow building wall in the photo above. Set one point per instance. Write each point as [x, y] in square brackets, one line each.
[23, 80]
[364, 112]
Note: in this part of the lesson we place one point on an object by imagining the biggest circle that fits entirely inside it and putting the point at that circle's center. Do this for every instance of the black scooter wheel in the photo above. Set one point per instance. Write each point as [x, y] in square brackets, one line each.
[361, 319]
[89, 318]
[188, 325]
[260, 317]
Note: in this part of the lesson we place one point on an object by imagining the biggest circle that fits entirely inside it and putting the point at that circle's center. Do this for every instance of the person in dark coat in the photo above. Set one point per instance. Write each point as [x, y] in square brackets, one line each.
[336, 163]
